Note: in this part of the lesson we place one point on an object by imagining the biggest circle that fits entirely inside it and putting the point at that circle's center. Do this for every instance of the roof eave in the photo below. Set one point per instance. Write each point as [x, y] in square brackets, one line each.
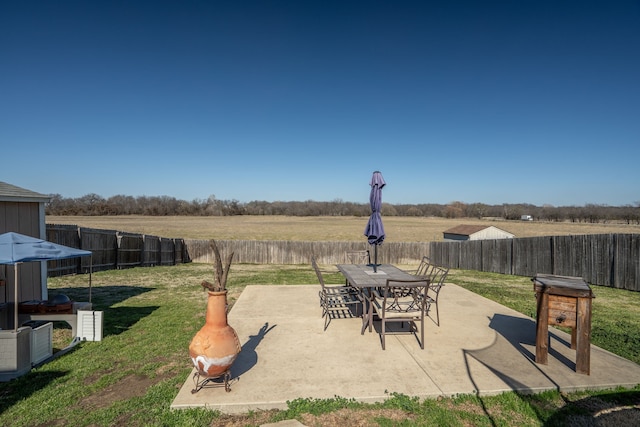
[30, 199]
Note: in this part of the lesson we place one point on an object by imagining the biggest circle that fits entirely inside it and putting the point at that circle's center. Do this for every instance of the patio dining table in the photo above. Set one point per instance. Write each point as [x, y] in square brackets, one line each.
[363, 278]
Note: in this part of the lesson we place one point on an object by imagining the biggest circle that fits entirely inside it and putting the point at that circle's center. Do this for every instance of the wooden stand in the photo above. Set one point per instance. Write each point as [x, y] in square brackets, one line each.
[564, 301]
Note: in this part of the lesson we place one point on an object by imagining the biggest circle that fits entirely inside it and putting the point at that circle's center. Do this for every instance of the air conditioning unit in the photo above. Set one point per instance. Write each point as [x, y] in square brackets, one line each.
[41, 341]
[89, 325]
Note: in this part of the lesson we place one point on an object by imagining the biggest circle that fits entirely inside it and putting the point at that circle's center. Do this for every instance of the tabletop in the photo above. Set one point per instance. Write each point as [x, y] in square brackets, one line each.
[561, 285]
[363, 276]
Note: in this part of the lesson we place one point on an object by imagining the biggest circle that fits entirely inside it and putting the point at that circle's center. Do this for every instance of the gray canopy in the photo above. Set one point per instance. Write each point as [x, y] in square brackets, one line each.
[17, 248]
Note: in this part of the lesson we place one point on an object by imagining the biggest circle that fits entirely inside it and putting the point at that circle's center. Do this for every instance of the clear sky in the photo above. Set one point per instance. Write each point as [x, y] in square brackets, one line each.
[474, 101]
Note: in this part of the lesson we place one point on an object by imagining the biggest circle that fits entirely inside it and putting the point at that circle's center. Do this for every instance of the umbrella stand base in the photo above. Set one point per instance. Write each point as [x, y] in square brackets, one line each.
[374, 266]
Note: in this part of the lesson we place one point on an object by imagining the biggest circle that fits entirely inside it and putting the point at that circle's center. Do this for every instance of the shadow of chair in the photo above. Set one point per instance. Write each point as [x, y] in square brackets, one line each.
[401, 301]
[336, 300]
[436, 283]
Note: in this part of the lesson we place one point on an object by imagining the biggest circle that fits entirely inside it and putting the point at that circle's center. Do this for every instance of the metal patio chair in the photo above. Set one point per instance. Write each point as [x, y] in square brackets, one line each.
[357, 257]
[402, 301]
[436, 282]
[336, 300]
[425, 269]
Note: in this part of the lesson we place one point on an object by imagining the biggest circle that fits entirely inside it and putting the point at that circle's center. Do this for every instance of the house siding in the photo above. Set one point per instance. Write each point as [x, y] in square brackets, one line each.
[23, 218]
[491, 233]
[22, 211]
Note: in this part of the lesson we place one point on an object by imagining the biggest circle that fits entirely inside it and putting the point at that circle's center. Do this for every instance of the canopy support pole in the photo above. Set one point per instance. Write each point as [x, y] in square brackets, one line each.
[15, 297]
[90, 273]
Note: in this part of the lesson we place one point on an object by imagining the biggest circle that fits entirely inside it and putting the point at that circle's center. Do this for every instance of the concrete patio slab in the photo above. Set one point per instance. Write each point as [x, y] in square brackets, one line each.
[480, 347]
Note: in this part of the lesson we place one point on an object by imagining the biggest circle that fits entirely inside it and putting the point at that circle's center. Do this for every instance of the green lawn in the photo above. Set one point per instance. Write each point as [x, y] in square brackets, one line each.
[131, 377]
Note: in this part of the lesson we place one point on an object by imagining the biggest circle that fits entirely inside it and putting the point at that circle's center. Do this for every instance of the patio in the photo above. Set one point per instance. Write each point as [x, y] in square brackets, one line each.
[481, 346]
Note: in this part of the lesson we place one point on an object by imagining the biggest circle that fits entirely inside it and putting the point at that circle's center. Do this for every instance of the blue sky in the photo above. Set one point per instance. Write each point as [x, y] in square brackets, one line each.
[474, 101]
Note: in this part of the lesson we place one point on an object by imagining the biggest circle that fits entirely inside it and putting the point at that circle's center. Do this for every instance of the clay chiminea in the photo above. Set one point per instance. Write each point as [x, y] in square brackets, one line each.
[215, 346]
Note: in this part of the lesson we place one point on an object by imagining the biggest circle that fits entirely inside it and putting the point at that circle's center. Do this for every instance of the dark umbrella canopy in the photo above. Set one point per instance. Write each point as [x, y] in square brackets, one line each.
[374, 229]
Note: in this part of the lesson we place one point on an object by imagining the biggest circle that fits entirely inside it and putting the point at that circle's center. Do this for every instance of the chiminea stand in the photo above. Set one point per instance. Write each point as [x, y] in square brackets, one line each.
[201, 383]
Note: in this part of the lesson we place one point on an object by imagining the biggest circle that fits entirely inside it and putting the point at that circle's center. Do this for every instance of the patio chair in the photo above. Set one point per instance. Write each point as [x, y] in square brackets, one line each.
[357, 257]
[436, 282]
[401, 301]
[425, 269]
[336, 300]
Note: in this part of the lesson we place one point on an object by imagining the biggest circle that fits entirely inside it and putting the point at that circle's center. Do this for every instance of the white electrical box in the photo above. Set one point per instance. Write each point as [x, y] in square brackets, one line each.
[89, 325]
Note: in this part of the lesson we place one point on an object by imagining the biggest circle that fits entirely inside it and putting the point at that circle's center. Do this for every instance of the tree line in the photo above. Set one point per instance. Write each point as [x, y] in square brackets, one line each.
[95, 205]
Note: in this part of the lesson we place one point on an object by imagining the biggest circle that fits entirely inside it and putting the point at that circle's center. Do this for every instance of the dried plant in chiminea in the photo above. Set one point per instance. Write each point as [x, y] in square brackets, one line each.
[221, 271]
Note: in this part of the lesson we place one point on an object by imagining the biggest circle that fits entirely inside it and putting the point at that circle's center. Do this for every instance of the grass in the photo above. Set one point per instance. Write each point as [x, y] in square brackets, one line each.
[150, 314]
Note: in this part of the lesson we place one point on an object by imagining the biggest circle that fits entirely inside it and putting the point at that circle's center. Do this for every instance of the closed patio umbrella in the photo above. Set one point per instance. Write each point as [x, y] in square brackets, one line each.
[17, 248]
[374, 229]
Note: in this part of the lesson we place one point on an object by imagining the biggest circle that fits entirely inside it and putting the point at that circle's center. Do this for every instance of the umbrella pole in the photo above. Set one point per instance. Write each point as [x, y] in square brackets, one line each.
[15, 297]
[375, 259]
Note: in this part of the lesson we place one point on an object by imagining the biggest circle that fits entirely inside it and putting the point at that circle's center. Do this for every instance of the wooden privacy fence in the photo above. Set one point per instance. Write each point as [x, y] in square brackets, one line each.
[67, 236]
[288, 252]
[111, 249]
[602, 259]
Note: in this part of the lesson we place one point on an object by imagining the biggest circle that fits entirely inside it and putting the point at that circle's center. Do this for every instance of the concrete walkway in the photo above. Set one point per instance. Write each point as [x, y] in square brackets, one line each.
[481, 347]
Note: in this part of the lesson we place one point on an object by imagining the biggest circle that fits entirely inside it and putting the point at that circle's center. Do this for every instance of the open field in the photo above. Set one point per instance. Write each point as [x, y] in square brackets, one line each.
[398, 229]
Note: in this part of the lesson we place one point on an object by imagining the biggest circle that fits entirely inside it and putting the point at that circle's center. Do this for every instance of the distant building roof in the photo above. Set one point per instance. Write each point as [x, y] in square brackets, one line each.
[476, 232]
[12, 193]
[466, 230]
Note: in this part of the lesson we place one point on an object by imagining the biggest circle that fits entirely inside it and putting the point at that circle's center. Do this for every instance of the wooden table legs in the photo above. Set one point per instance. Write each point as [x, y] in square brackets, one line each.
[580, 328]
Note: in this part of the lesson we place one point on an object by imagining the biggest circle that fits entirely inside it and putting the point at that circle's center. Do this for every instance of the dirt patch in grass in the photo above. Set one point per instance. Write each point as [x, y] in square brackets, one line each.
[468, 407]
[253, 419]
[339, 418]
[54, 423]
[356, 418]
[134, 385]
